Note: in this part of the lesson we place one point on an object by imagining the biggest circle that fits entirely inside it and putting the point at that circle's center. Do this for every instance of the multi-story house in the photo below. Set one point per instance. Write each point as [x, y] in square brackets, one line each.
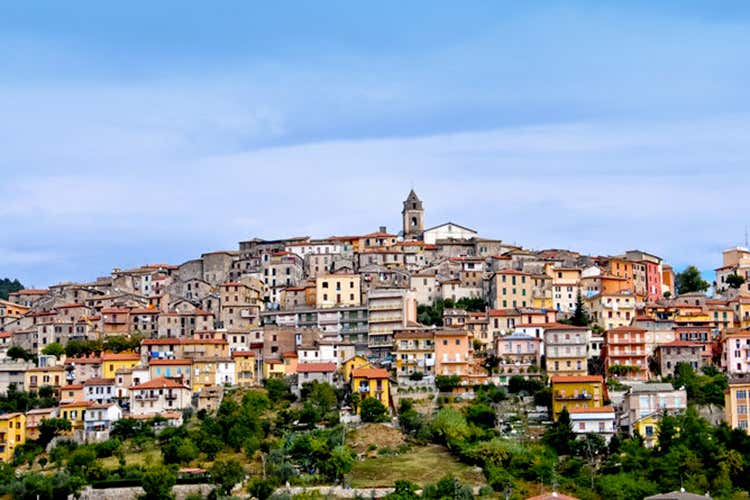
[281, 270]
[735, 352]
[12, 434]
[566, 349]
[658, 331]
[678, 351]
[577, 391]
[735, 261]
[159, 395]
[388, 309]
[179, 370]
[737, 403]
[509, 288]
[414, 350]
[98, 420]
[425, 286]
[644, 404]
[240, 304]
[99, 390]
[10, 311]
[625, 354]
[337, 290]
[519, 355]
[371, 382]
[600, 420]
[246, 367]
[453, 352]
[611, 310]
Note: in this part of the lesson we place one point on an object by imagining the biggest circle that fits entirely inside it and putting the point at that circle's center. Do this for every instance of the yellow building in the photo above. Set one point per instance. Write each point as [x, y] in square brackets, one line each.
[12, 434]
[52, 376]
[74, 412]
[737, 403]
[352, 364]
[337, 290]
[371, 383]
[244, 367]
[582, 391]
[511, 289]
[273, 368]
[213, 371]
[111, 362]
[647, 427]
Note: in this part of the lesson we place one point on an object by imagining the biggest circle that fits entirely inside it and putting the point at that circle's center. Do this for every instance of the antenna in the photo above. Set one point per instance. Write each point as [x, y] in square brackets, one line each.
[746, 245]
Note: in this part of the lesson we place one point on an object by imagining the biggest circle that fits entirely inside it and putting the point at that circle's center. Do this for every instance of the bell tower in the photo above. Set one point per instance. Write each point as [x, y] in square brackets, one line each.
[413, 215]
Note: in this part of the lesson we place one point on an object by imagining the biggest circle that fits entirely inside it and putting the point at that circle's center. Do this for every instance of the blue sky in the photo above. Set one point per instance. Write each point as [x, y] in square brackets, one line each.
[153, 131]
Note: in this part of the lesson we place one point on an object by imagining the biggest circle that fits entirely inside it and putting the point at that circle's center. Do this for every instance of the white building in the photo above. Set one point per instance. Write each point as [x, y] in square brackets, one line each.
[599, 420]
[99, 390]
[159, 395]
[448, 230]
[98, 420]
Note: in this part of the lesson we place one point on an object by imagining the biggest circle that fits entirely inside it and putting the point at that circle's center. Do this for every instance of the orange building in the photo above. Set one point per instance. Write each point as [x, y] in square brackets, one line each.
[625, 347]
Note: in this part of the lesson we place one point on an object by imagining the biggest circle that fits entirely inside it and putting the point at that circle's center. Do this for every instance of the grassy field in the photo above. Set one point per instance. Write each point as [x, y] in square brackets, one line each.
[421, 465]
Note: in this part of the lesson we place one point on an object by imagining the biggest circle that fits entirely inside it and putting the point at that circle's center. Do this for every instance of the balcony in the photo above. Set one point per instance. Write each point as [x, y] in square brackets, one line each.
[171, 397]
[146, 397]
[561, 396]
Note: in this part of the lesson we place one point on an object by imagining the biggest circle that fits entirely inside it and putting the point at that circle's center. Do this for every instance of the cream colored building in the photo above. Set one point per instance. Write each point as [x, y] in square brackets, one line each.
[336, 290]
[611, 310]
[510, 289]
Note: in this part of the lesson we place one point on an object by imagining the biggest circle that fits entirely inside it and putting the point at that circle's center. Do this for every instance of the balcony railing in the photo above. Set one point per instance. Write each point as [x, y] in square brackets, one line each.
[583, 396]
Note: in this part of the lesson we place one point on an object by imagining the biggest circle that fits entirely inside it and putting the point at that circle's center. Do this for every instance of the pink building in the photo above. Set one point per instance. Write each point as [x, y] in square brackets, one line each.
[735, 355]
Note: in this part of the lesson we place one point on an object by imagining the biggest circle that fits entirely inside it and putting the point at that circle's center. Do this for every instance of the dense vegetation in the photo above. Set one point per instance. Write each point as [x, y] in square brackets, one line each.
[8, 286]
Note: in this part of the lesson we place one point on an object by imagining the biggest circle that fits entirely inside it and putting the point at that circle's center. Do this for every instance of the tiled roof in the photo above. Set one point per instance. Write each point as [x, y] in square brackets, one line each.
[316, 367]
[370, 373]
[561, 379]
[600, 409]
[159, 383]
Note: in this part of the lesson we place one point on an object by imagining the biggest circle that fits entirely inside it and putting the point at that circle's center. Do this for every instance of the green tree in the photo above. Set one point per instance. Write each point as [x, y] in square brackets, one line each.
[580, 315]
[559, 436]
[690, 280]
[446, 383]
[157, 482]
[403, 490]
[278, 390]
[8, 286]
[226, 473]
[51, 427]
[735, 280]
[372, 410]
[260, 488]
[16, 352]
[339, 463]
[54, 349]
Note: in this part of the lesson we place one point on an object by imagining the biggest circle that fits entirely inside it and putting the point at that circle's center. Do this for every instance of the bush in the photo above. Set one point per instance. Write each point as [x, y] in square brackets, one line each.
[372, 410]
[157, 482]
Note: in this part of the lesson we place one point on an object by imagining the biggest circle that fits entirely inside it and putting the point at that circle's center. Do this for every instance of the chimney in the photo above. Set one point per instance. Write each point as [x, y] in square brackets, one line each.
[383, 229]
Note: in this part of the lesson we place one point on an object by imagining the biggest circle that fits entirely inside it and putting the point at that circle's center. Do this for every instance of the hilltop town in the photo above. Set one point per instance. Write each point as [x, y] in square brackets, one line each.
[417, 320]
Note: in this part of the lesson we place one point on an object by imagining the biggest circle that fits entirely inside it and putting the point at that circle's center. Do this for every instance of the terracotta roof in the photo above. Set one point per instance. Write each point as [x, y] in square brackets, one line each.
[316, 367]
[120, 356]
[576, 378]
[71, 387]
[634, 329]
[600, 409]
[552, 496]
[159, 383]
[75, 404]
[370, 373]
[554, 324]
[243, 353]
[8, 416]
[69, 306]
[30, 291]
[169, 362]
[99, 381]
[679, 343]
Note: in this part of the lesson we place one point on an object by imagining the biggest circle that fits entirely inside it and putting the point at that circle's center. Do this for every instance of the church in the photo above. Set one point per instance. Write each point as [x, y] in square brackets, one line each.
[413, 221]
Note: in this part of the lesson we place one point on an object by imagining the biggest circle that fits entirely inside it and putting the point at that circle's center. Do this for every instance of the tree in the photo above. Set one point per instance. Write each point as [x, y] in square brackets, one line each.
[559, 436]
[403, 490]
[580, 315]
[16, 352]
[157, 482]
[372, 410]
[260, 488]
[51, 427]
[54, 349]
[690, 280]
[278, 389]
[446, 383]
[8, 286]
[339, 463]
[490, 363]
[735, 280]
[226, 473]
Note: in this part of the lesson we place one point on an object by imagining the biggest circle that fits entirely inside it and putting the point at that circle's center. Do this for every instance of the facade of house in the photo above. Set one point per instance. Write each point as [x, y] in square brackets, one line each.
[371, 383]
[625, 353]
[576, 392]
[601, 421]
[566, 350]
[644, 404]
[678, 351]
[12, 434]
[414, 350]
[737, 403]
[159, 395]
